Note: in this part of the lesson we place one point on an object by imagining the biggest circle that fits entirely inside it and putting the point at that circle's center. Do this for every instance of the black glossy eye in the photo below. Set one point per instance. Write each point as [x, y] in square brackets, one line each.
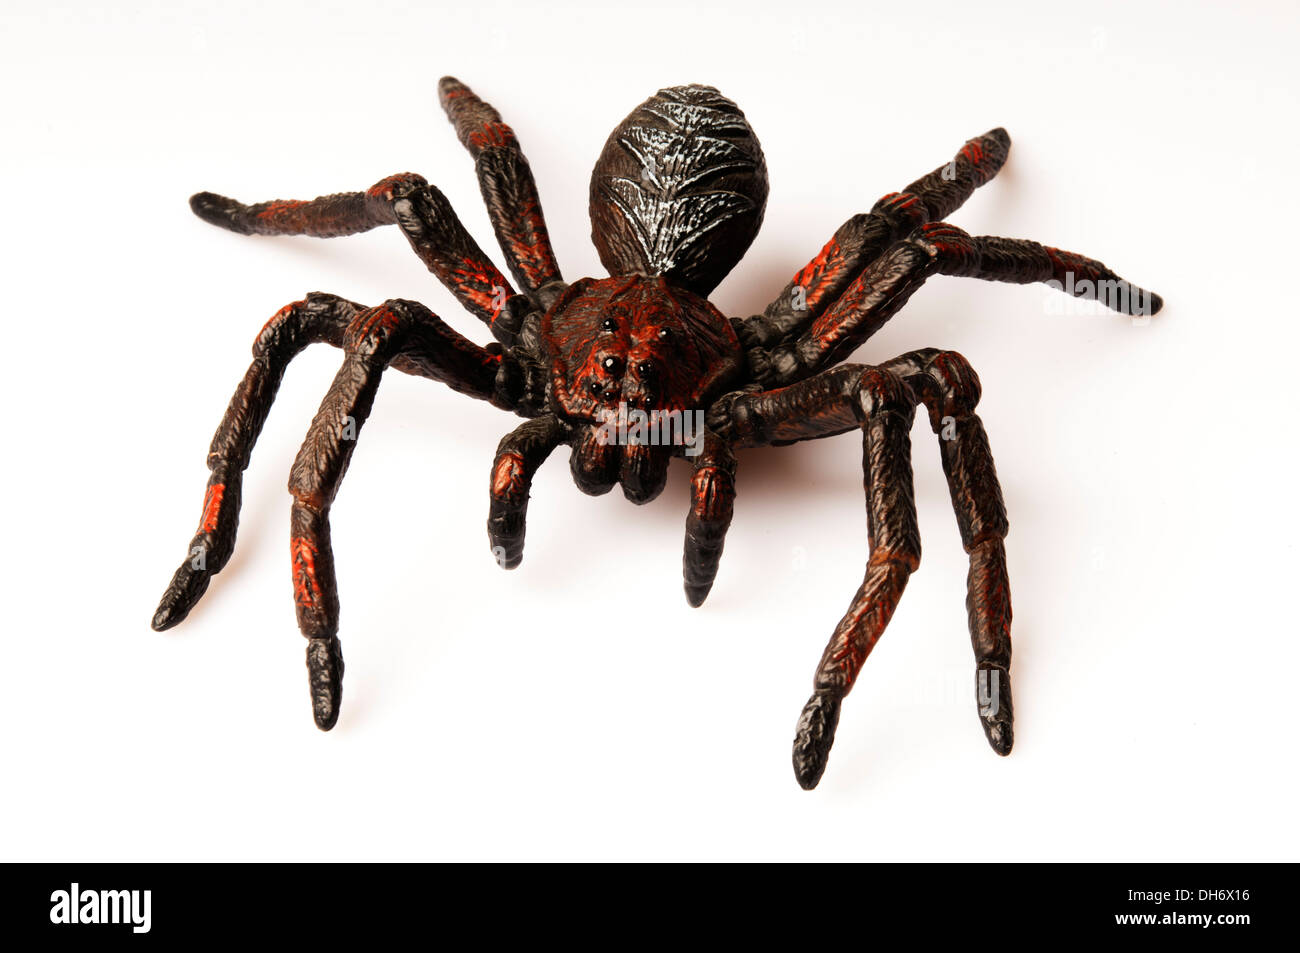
[595, 387]
[645, 368]
[610, 364]
[609, 324]
[665, 334]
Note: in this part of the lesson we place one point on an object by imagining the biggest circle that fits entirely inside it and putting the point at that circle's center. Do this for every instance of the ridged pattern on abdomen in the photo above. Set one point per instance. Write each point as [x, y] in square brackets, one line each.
[679, 189]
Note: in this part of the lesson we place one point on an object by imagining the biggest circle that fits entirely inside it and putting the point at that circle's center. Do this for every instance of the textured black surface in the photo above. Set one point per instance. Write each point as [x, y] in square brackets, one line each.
[679, 189]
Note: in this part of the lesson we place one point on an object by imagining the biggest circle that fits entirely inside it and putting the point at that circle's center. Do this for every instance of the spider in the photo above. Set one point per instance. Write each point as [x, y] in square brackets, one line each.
[677, 196]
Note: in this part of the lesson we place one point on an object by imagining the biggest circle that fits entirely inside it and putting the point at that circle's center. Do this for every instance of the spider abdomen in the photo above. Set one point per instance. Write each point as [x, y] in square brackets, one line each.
[679, 189]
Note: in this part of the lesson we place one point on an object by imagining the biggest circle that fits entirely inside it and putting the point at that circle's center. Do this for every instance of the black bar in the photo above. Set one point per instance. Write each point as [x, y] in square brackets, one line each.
[972, 903]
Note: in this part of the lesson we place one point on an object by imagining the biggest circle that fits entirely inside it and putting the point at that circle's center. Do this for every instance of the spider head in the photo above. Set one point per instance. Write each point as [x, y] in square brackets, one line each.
[635, 362]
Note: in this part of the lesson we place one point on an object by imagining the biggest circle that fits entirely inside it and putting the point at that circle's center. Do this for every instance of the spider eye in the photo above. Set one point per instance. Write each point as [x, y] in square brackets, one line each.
[665, 334]
[610, 364]
[609, 324]
[595, 388]
[645, 368]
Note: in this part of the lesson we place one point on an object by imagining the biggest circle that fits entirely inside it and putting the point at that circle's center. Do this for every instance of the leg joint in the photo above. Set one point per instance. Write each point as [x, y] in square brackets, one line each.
[317, 317]
[713, 494]
[395, 187]
[379, 332]
[949, 386]
[907, 556]
[954, 252]
[877, 391]
[904, 211]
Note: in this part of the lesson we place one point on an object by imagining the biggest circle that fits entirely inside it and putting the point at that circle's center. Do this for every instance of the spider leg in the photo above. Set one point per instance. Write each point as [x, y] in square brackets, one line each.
[950, 389]
[864, 238]
[886, 284]
[518, 456]
[882, 406]
[880, 401]
[423, 212]
[318, 317]
[435, 351]
[713, 498]
[396, 331]
[508, 189]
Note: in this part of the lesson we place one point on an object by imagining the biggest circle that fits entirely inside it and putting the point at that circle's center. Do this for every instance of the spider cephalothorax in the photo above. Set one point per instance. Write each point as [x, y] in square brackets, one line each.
[637, 368]
[633, 342]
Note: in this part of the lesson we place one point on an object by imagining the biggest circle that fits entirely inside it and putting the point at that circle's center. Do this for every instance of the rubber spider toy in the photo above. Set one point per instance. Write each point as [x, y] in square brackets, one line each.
[676, 198]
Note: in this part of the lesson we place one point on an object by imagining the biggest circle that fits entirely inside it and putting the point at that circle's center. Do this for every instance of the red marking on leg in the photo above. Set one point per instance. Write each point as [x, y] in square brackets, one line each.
[510, 478]
[491, 134]
[306, 590]
[211, 507]
[382, 317]
[902, 203]
[482, 284]
[830, 325]
[810, 271]
[1065, 264]
[279, 208]
[531, 244]
[279, 317]
[973, 152]
[949, 240]
[385, 189]
[860, 630]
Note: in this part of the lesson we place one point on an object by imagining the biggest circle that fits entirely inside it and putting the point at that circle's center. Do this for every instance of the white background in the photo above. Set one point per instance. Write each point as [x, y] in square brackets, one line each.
[577, 708]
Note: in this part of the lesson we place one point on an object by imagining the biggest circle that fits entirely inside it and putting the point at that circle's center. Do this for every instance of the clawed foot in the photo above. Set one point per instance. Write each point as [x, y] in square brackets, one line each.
[186, 588]
[993, 695]
[814, 737]
[324, 656]
[325, 677]
[816, 731]
[220, 211]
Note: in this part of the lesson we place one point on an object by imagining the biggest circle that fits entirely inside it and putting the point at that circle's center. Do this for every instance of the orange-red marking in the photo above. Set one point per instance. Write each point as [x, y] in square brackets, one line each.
[212, 507]
[306, 591]
[510, 478]
[279, 208]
